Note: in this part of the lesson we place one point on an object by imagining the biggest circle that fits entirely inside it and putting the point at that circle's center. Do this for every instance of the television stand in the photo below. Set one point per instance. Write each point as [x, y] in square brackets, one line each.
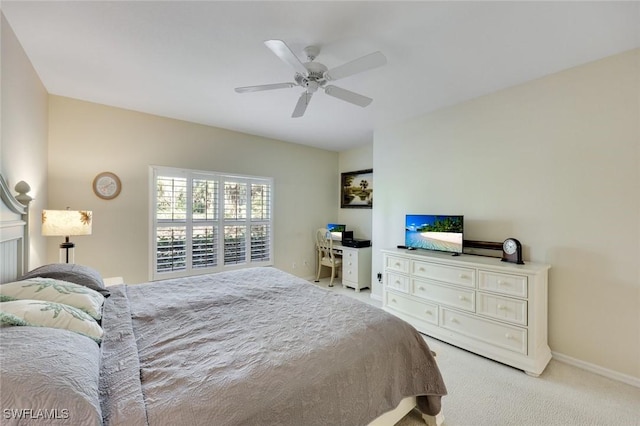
[495, 309]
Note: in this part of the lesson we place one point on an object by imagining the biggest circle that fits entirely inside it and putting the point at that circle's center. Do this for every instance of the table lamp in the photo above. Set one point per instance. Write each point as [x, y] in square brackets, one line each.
[65, 223]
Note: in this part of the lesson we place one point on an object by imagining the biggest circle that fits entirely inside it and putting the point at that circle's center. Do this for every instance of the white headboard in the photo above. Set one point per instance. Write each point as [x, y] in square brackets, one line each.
[14, 231]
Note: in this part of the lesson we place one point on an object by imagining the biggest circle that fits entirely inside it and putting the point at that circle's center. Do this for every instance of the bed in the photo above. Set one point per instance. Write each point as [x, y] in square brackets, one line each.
[244, 347]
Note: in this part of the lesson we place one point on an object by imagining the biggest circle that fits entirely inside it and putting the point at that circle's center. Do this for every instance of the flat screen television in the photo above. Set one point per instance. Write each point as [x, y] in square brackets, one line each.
[434, 232]
[336, 230]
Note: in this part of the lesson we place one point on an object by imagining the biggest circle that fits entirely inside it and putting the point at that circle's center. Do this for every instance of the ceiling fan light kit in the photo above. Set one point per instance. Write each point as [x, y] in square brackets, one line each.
[314, 75]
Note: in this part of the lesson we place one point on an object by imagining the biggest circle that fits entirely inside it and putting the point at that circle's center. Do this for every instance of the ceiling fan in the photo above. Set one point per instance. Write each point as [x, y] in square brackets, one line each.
[314, 75]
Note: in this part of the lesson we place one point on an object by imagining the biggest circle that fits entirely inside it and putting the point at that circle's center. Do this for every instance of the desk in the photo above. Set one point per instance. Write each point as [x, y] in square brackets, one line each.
[356, 266]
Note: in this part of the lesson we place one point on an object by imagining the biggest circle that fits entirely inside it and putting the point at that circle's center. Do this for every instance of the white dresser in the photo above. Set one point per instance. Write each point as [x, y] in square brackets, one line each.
[356, 267]
[493, 308]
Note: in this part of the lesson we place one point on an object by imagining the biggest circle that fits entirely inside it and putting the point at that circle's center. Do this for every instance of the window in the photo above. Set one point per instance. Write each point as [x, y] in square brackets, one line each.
[206, 222]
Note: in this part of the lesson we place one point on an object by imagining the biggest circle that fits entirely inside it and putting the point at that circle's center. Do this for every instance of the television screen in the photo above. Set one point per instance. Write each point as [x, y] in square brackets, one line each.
[434, 232]
[336, 230]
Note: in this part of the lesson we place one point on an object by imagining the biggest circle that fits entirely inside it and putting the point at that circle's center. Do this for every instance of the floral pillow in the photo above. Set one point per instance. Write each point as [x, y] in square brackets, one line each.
[52, 290]
[49, 314]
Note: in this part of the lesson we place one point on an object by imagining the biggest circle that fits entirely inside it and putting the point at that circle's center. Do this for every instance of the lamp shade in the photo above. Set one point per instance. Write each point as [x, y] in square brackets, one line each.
[66, 222]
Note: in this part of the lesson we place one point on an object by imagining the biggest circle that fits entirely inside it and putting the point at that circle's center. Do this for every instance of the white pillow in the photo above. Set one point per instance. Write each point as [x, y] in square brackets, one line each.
[53, 290]
[49, 314]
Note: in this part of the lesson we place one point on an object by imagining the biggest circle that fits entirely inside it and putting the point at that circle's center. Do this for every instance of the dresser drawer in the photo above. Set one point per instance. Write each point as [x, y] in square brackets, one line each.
[502, 308]
[424, 311]
[447, 295]
[350, 265]
[449, 274]
[512, 285]
[350, 274]
[397, 282]
[349, 256]
[397, 264]
[500, 335]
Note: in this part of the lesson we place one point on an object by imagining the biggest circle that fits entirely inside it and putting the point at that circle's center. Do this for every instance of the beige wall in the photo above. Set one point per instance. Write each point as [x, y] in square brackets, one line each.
[23, 135]
[357, 220]
[86, 139]
[555, 163]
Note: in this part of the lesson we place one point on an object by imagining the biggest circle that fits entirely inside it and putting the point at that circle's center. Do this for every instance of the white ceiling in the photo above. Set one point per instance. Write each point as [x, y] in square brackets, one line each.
[183, 59]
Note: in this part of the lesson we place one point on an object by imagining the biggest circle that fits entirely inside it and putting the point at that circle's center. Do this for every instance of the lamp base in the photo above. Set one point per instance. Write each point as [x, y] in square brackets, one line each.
[67, 252]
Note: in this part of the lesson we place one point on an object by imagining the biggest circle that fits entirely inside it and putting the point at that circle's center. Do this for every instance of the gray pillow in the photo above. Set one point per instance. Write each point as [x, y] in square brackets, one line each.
[49, 372]
[71, 272]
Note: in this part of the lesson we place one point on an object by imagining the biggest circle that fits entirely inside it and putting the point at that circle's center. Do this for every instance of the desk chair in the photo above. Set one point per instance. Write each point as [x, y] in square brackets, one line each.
[326, 256]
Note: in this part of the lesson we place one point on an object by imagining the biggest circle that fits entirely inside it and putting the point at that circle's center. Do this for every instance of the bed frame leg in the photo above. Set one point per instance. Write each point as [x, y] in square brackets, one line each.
[436, 420]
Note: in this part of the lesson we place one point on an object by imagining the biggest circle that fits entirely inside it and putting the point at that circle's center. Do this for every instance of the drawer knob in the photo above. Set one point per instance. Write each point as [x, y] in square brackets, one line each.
[462, 276]
[454, 320]
[508, 336]
[421, 288]
[393, 300]
[428, 312]
[501, 307]
[462, 298]
[398, 264]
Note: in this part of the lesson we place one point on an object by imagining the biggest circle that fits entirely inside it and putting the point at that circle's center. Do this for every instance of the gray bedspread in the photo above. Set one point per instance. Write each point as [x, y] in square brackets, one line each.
[256, 347]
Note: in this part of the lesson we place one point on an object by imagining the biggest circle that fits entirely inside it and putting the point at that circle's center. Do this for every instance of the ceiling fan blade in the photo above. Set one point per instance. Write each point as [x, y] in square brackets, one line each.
[264, 87]
[370, 61]
[283, 52]
[302, 104]
[347, 95]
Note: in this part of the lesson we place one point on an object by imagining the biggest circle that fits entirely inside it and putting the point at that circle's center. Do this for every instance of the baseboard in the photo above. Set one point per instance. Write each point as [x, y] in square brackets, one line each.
[376, 297]
[611, 374]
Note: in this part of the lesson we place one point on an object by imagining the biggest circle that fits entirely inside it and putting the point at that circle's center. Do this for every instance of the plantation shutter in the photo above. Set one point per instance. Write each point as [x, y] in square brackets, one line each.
[260, 222]
[207, 222]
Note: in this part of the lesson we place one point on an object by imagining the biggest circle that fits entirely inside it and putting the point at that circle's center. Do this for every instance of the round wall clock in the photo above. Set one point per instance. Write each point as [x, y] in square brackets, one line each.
[512, 251]
[107, 185]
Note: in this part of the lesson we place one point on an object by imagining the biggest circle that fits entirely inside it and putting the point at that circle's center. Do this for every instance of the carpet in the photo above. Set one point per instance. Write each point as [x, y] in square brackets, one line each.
[485, 392]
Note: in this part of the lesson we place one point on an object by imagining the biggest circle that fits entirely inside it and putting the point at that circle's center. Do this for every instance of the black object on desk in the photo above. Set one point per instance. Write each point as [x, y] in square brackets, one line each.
[356, 243]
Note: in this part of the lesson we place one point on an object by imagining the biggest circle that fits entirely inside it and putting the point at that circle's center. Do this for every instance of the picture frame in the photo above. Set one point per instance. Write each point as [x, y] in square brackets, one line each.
[356, 189]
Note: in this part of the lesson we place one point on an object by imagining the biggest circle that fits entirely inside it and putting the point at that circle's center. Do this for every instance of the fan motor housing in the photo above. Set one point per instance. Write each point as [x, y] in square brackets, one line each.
[316, 72]
[316, 69]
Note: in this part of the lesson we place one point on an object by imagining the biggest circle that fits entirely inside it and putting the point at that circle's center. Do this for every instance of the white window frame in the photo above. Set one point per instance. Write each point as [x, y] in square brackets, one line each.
[220, 222]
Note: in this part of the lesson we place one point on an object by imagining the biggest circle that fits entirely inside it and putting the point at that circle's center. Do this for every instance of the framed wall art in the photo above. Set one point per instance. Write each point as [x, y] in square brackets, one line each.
[356, 189]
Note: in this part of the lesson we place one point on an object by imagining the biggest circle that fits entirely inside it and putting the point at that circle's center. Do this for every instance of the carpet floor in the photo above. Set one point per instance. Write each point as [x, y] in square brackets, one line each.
[485, 392]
